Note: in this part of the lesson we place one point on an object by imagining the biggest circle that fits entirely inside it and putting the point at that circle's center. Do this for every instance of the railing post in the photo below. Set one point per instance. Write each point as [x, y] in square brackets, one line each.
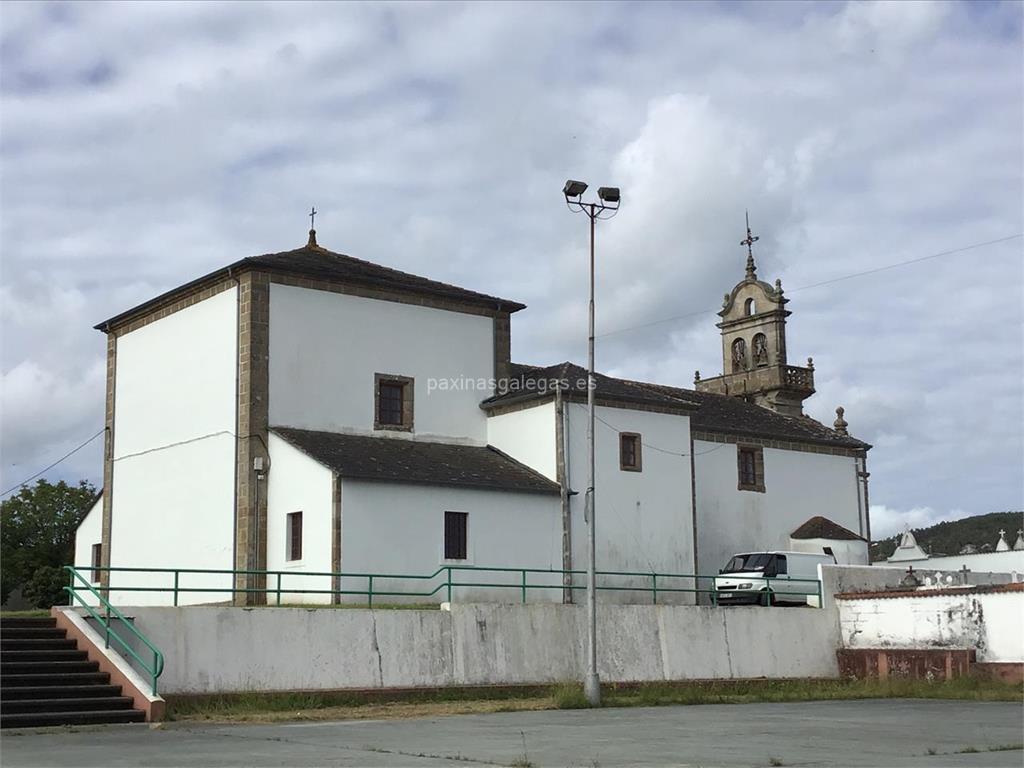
[449, 569]
[279, 588]
[369, 591]
[654, 587]
[175, 588]
[524, 586]
[768, 591]
[821, 600]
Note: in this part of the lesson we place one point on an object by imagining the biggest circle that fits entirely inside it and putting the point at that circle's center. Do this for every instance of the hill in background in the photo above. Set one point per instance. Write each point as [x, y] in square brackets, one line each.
[950, 537]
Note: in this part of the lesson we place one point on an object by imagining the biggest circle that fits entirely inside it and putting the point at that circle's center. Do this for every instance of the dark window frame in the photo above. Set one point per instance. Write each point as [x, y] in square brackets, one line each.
[407, 385]
[97, 563]
[293, 542]
[456, 535]
[750, 468]
[632, 439]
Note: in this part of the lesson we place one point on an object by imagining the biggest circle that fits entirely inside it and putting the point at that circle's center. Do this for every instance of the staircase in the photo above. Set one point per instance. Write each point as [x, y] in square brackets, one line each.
[46, 680]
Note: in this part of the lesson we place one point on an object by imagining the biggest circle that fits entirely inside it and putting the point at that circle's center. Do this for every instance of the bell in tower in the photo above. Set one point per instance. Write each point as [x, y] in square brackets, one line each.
[754, 364]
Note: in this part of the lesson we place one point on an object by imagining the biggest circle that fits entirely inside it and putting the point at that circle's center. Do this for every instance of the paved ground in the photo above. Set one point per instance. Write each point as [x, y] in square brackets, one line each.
[835, 733]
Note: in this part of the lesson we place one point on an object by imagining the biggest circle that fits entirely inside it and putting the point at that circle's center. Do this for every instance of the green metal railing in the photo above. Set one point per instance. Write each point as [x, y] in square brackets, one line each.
[154, 668]
[449, 578]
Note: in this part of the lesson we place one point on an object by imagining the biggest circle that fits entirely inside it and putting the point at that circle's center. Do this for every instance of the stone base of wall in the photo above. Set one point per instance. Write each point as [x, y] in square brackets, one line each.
[905, 663]
[1010, 672]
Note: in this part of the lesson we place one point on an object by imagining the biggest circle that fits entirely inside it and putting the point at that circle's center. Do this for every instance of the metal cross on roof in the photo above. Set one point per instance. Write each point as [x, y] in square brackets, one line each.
[749, 241]
[312, 213]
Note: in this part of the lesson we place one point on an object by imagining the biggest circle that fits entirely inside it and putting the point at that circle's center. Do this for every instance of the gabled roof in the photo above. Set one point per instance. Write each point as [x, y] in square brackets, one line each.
[398, 460]
[312, 261]
[819, 527]
[709, 412]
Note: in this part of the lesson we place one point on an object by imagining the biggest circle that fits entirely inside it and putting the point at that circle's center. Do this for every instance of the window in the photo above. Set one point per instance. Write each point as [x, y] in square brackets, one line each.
[97, 562]
[750, 464]
[760, 350]
[392, 402]
[739, 356]
[750, 308]
[294, 536]
[455, 524]
[629, 451]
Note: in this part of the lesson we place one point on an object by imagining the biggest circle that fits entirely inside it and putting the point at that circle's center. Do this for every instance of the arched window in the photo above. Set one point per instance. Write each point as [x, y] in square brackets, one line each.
[760, 350]
[750, 307]
[739, 356]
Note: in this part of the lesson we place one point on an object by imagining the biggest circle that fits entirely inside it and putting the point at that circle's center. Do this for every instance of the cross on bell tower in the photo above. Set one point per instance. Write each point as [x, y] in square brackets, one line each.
[749, 242]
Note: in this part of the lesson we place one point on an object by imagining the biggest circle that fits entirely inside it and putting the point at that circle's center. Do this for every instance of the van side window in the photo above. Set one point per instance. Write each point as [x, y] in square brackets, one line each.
[780, 565]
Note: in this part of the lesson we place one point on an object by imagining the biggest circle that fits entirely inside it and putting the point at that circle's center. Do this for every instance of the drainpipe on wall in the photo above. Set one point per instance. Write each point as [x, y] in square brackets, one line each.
[864, 475]
[562, 475]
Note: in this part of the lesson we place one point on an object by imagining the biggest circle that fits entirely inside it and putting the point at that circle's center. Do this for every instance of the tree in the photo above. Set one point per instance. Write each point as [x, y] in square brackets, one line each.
[37, 534]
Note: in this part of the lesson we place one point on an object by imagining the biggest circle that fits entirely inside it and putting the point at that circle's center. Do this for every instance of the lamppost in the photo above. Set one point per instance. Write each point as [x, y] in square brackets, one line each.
[609, 197]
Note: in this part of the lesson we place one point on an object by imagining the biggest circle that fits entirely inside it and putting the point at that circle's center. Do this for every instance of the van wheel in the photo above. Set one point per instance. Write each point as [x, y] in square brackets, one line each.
[767, 598]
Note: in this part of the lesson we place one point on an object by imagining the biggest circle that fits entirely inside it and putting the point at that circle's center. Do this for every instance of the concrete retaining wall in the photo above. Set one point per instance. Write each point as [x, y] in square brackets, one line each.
[220, 649]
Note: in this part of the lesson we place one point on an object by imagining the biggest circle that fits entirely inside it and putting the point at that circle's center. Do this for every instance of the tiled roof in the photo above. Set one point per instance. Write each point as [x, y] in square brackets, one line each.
[314, 262]
[819, 527]
[709, 412]
[398, 460]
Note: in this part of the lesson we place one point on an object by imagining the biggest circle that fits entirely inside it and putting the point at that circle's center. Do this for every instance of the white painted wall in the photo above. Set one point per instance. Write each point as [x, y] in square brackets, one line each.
[89, 532]
[847, 551]
[644, 519]
[297, 483]
[325, 348]
[989, 622]
[174, 449]
[212, 650]
[528, 436]
[798, 486]
[398, 529]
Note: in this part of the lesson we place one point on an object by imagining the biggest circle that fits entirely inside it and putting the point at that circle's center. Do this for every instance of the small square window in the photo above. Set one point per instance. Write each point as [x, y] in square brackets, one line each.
[629, 452]
[294, 536]
[750, 467]
[392, 402]
[455, 535]
[97, 562]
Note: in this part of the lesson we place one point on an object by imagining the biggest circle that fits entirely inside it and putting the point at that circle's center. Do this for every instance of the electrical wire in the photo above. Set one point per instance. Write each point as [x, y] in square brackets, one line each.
[823, 282]
[58, 461]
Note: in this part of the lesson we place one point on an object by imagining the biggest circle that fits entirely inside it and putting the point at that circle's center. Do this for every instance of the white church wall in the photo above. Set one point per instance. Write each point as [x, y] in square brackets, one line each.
[528, 436]
[847, 552]
[174, 450]
[995, 562]
[325, 348]
[297, 483]
[644, 519]
[88, 533]
[798, 486]
[393, 528]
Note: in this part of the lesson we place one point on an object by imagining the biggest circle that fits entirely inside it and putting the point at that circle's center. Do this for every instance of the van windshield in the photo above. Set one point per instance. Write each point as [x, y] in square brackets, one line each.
[753, 562]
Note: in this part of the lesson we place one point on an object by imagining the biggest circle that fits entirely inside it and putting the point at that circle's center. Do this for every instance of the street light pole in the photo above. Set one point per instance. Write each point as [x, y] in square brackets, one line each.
[609, 204]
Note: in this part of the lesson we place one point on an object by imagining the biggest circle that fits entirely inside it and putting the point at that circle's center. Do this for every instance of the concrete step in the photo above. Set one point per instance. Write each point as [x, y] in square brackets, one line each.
[25, 633]
[54, 678]
[46, 667]
[23, 692]
[36, 719]
[43, 655]
[37, 644]
[27, 622]
[88, 703]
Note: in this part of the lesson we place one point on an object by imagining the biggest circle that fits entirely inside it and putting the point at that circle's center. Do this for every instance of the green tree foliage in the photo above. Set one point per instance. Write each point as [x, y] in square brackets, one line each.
[950, 537]
[37, 535]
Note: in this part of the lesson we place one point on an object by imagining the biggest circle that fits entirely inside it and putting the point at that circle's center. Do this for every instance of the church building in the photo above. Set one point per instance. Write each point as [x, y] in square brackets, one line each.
[311, 414]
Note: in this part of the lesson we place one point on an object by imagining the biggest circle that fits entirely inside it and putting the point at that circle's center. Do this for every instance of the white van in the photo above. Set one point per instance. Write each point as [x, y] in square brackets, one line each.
[769, 578]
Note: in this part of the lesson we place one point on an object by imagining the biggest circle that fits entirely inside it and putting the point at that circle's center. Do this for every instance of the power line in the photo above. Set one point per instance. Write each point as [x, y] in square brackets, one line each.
[58, 461]
[823, 282]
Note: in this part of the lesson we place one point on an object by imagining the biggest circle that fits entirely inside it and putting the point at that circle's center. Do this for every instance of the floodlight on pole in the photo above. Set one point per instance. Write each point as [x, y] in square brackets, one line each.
[605, 209]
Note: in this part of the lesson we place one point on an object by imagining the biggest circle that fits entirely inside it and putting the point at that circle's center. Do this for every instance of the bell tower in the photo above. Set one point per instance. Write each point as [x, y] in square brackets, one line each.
[754, 364]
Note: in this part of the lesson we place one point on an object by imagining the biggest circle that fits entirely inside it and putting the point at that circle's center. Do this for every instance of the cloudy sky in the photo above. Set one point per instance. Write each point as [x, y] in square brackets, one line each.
[143, 145]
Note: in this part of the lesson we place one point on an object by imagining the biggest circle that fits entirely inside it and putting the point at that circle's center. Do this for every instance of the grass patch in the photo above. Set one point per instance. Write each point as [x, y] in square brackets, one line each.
[569, 695]
[330, 705]
[345, 606]
[32, 613]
